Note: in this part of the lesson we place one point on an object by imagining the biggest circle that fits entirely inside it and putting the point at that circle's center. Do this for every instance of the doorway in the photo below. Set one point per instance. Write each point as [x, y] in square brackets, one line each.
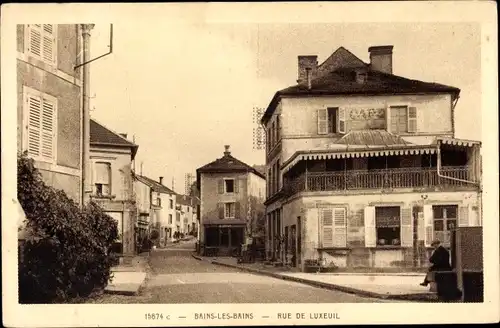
[299, 240]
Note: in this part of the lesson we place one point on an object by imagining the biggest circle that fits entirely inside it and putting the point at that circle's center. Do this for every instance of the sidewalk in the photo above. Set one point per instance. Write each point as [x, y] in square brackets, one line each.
[129, 277]
[398, 286]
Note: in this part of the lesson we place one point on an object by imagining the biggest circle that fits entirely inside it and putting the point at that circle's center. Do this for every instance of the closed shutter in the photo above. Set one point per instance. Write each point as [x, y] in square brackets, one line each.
[342, 114]
[237, 185]
[429, 225]
[48, 130]
[35, 40]
[463, 216]
[34, 125]
[327, 227]
[220, 207]
[48, 42]
[340, 228]
[370, 229]
[322, 121]
[220, 186]
[388, 119]
[406, 227]
[412, 119]
[42, 41]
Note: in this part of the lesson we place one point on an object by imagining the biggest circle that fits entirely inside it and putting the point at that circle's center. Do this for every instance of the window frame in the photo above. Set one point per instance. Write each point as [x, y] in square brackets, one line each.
[323, 120]
[335, 228]
[399, 227]
[30, 92]
[225, 185]
[43, 33]
[226, 204]
[446, 232]
[94, 183]
[409, 106]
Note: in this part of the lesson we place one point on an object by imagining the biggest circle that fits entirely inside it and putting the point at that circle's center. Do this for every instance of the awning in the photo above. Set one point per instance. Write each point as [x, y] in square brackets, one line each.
[458, 142]
[358, 153]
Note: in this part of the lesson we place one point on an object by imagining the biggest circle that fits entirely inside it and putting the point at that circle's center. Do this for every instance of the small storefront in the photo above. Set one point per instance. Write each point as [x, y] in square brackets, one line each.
[223, 239]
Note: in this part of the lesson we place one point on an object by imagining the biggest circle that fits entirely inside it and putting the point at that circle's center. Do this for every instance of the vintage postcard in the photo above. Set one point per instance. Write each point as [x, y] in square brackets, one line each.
[228, 164]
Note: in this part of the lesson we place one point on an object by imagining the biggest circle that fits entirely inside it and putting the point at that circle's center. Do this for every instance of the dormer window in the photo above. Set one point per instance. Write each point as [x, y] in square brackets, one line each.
[361, 77]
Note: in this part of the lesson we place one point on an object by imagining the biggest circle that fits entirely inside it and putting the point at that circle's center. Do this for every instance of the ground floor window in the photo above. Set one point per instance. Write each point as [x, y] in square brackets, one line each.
[388, 225]
[444, 221]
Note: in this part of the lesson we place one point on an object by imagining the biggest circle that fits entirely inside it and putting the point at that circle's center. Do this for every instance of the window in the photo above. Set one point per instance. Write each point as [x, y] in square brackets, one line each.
[229, 210]
[170, 219]
[277, 128]
[334, 227]
[445, 219]
[403, 119]
[102, 179]
[273, 134]
[331, 120]
[40, 125]
[171, 203]
[229, 184]
[41, 42]
[388, 226]
[158, 201]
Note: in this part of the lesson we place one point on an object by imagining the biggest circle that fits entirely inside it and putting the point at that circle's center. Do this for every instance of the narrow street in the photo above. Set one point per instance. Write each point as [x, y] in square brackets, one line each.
[177, 277]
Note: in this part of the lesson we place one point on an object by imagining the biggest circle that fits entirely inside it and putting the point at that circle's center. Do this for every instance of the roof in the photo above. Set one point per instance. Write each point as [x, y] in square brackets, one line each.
[341, 80]
[101, 135]
[186, 200]
[156, 186]
[368, 138]
[227, 164]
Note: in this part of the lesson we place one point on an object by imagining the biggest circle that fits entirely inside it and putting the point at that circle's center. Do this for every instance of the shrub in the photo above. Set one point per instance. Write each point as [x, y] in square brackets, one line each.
[67, 251]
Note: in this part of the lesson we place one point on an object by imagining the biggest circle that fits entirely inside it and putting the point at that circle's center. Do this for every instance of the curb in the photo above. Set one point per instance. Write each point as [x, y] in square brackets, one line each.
[349, 290]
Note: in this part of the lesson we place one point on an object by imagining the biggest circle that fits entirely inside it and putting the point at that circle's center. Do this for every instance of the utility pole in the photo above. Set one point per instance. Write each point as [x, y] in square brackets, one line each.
[86, 28]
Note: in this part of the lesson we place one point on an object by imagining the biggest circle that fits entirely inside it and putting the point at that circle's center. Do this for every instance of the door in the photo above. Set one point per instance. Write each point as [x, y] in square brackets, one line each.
[299, 240]
[118, 217]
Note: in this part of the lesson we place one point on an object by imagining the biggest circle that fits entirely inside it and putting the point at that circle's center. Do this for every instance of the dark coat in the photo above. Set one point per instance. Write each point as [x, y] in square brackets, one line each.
[440, 260]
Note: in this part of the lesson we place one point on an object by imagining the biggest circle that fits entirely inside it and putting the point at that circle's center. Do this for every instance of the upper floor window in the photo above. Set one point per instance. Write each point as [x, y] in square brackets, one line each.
[40, 125]
[171, 203]
[158, 201]
[229, 210]
[228, 186]
[102, 179]
[229, 183]
[170, 219]
[331, 120]
[41, 42]
[402, 119]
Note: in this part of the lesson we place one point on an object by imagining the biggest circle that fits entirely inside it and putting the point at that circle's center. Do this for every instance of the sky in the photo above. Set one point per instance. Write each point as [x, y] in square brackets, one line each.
[187, 89]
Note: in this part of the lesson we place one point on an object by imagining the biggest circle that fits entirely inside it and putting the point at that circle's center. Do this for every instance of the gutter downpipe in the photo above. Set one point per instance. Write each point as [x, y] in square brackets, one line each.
[438, 151]
[86, 28]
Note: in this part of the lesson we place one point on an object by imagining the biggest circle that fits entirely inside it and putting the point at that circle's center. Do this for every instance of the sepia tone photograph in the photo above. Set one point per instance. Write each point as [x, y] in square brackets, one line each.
[207, 161]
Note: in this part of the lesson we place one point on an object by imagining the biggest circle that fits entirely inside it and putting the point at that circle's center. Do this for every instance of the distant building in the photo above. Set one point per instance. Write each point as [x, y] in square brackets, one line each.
[231, 200]
[111, 157]
[186, 208]
[364, 168]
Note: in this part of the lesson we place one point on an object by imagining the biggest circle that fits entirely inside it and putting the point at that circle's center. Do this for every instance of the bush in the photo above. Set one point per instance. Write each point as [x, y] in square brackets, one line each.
[67, 252]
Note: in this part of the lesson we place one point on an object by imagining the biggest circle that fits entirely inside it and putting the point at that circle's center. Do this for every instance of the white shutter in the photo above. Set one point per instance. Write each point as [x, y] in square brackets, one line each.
[326, 216]
[342, 114]
[35, 40]
[220, 186]
[237, 185]
[412, 119]
[340, 227]
[322, 121]
[370, 229]
[101, 173]
[48, 129]
[388, 118]
[420, 226]
[429, 225]
[463, 216]
[406, 227]
[34, 125]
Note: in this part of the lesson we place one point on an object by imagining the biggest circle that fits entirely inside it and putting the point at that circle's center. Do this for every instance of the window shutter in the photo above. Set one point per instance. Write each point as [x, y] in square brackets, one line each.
[327, 227]
[412, 119]
[237, 210]
[322, 121]
[220, 187]
[429, 225]
[221, 210]
[406, 227]
[34, 125]
[342, 115]
[388, 119]
[48, 129]
[370, 230]
[420, 226]
[463, 216]
[340, 226]
[237, 185]
[48, 42]
[35, 40]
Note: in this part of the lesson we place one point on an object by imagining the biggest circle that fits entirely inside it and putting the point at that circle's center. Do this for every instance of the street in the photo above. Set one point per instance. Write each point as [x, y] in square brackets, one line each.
[177, 277]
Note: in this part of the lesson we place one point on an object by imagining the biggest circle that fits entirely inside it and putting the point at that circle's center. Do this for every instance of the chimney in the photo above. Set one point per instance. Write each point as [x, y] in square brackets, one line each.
[381, 58]
[307, 63]
[123, 135]
[308, 78]
[227, 152]
[161, 180]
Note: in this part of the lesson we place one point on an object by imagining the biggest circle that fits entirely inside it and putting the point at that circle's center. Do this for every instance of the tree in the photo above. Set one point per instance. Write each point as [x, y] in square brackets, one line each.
[193, 190]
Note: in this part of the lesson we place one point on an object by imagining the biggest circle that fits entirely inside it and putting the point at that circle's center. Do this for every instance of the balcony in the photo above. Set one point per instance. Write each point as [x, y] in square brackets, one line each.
[378, 179]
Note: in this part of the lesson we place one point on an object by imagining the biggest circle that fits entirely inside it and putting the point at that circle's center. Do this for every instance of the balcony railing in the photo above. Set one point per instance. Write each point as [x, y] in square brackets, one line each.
[378, 179]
